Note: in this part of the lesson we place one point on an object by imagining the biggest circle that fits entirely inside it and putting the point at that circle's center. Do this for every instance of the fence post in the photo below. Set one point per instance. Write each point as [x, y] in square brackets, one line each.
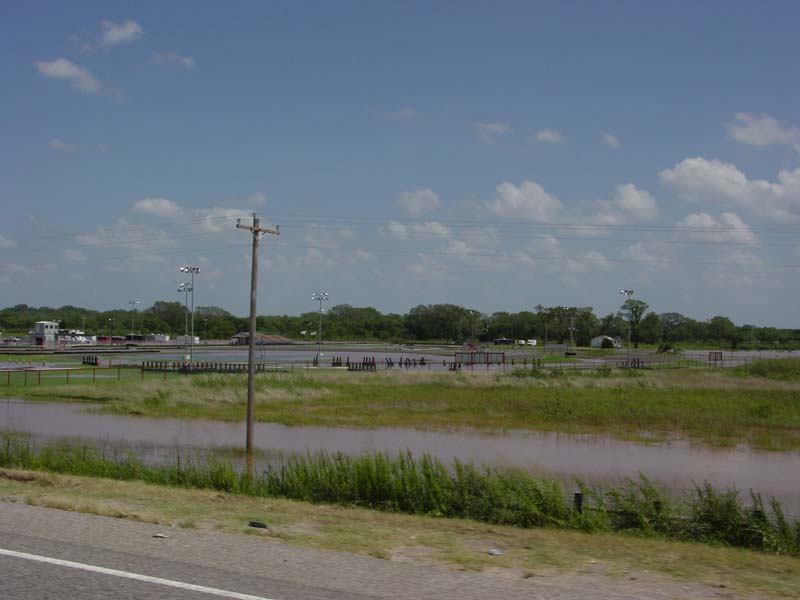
[577, 500]
[94, 375]
[26, 378]
[67, 375]
[39, 373]
[142, 372]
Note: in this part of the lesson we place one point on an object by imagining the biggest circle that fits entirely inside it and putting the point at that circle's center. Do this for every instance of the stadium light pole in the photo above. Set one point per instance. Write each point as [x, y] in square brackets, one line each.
[320, 297]
[628, 294]
[133, 304]
[185, 288]
[192, 271]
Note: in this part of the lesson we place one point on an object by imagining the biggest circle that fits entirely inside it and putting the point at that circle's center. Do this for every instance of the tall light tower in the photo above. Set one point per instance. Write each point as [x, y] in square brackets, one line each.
[133, 304]
[320, 297]
[185, 288]
[192, 271]
[628, 294]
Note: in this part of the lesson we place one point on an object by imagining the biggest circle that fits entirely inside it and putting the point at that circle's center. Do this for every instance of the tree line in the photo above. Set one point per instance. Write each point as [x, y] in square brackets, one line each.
[432, 322]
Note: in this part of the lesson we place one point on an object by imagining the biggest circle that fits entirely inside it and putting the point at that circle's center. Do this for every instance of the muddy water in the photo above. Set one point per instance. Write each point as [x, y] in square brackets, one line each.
[592, 458]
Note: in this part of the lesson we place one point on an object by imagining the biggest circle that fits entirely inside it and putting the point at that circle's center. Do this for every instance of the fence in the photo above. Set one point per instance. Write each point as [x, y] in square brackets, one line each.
[163, 369]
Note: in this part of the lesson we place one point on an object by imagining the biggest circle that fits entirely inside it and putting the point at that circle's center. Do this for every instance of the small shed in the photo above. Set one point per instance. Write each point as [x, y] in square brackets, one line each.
[597, 342]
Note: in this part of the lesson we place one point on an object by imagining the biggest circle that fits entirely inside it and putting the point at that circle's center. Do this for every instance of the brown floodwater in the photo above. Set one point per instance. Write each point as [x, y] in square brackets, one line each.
[593, 458]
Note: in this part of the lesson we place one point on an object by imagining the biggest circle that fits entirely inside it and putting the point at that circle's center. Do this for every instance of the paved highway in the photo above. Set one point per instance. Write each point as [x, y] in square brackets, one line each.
[46, 553]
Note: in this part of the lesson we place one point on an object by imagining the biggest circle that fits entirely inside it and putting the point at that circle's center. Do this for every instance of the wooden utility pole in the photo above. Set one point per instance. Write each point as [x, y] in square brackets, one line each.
[258, 232]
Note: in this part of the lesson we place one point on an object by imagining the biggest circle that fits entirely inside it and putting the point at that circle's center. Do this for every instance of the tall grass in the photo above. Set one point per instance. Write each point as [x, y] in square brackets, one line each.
[424, 485]
[781, 369]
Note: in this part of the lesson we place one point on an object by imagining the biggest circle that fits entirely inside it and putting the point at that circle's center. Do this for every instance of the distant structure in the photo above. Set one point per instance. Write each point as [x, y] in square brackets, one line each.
[44, 333]
[597, 342]
[243, 339]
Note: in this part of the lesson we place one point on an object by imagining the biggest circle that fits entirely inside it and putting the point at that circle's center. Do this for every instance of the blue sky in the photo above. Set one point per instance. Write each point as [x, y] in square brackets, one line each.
[495, 156]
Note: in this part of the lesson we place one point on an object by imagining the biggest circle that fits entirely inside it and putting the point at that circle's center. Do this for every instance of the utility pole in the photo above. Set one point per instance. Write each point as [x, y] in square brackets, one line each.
[258, 232]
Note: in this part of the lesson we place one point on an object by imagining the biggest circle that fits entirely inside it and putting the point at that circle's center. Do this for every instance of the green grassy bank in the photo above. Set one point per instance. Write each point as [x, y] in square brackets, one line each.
[424, 486]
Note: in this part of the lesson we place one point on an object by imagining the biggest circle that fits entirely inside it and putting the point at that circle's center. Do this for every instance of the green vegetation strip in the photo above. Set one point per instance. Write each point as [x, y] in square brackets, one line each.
[423, 485]
[715, 407]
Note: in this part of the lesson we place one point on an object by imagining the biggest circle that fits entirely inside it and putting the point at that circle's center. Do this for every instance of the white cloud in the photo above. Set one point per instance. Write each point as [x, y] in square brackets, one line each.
[729, 228]
[610, 140]
[120, 33]
[702, 180]
[491, 132]
[218, 218]
[763, 130]
[529, 201]
[6, 243]
[74, 256]
[161, 207]
[79, 77]
[431, 228]
[62, 146]
[123, 234]
[634, 204]
[549, 136]
[258, 199]
[402, 114]
[419, 201]
[171, 59]
[396, 230]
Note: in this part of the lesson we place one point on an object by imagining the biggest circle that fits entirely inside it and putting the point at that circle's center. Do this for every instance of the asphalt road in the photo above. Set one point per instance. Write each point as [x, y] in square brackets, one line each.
[46, 553]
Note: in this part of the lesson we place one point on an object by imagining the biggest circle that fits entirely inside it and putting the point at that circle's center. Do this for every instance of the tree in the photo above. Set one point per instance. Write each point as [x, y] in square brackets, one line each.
[650, 328]
[632, 311]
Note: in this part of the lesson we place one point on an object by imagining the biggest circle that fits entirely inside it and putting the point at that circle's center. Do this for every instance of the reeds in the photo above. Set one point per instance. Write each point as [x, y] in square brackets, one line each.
[423, 485]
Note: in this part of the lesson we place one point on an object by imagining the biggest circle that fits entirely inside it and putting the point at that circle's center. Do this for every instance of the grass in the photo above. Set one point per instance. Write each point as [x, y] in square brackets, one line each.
[714, 407]
[778, 369]
[456, 543]
[423, 485]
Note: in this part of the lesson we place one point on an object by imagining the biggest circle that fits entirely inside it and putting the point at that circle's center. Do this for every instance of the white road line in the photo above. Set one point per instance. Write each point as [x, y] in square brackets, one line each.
[127, 575]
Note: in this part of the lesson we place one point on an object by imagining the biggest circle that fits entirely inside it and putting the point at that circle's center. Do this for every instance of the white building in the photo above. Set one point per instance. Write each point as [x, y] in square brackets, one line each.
[44, 333]
[598, 341]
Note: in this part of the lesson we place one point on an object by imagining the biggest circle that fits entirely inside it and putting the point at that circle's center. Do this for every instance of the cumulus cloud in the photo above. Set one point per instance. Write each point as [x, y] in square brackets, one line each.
[418, 202]
[633, 204]
[763, 130]
[120, 33]
[527, 201]
[79, 78]
[610, 140]
[491, 132]
[172, 59]
[396, 230]
[703, 180]
[161, 207]
[549, 136]
[729, 228]
[218, 218]
[6, 243]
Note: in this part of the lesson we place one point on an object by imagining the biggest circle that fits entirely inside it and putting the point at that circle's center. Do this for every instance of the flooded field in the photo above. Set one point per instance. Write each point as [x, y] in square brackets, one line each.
[593, 458]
